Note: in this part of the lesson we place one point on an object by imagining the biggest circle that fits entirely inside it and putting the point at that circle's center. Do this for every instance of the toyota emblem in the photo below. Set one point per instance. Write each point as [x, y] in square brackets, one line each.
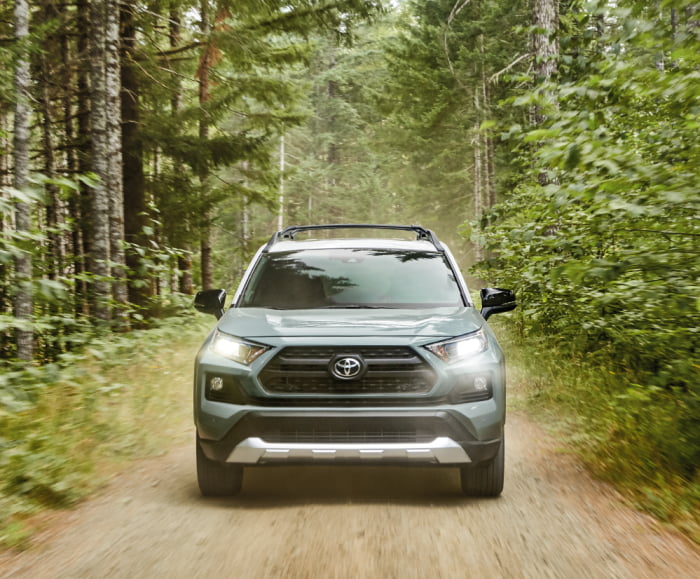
[347, 368]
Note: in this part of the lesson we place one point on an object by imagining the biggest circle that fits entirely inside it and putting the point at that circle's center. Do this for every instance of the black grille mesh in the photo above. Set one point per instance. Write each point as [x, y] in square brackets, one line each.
[390, 370]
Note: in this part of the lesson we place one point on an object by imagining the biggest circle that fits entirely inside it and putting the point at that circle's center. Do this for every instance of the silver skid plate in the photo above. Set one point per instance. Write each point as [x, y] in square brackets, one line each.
[442, 450]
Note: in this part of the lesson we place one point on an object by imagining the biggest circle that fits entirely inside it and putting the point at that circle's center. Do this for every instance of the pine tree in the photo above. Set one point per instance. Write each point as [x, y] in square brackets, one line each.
[449, 65]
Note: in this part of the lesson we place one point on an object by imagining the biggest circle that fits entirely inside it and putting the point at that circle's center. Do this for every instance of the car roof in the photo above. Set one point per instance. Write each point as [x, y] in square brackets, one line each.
[353, 243]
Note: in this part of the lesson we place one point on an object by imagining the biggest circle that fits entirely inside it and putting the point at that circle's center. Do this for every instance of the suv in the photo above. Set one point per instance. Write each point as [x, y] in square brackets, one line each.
[351, 350]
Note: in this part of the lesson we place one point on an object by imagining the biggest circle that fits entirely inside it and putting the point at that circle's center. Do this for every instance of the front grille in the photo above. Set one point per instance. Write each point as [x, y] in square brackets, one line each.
[390, 370]
[348, 428]
[347, 436]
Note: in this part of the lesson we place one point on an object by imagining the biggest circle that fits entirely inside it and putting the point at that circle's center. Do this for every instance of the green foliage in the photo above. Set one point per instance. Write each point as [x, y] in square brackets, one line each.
[630, 434]
[57, 323]
[605, 257]
[60, 422]
[214, 150]
[334, 163]
[436, 75]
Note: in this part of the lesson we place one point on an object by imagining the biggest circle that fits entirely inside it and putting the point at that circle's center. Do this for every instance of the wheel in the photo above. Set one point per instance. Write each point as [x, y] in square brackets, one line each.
[485, 480]
[217, 479]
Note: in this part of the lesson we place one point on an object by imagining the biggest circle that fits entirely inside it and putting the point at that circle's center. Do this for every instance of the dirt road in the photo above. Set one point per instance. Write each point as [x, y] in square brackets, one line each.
[318, 522]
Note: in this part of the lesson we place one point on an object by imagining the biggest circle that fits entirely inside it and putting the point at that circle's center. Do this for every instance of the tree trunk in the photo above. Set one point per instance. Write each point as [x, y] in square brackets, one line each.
[478, 173]
[184, 262]
[99, 215]
[333, 155]
[7, 342]
[489, 170]
[55, 252]
[80, 206]
[545, 16]
[203, 76]
[23, 303]
[174, 24]
[245, 235]
[245, 225]
[114, 161]
[134, 182]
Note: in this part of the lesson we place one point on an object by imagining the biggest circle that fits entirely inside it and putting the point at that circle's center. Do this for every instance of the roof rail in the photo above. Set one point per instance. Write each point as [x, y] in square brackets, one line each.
[291, 231]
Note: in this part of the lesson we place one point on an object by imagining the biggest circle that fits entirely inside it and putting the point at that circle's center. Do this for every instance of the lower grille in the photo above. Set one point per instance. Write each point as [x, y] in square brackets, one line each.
[390, 370]
[351, 436]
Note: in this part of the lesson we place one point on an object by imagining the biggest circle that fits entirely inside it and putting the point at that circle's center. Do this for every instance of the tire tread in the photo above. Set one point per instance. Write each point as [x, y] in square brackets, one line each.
[216, 479]
[485, 480]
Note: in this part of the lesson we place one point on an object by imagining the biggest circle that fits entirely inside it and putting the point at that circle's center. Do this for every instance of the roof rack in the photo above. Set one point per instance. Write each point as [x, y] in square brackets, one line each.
[291, 231]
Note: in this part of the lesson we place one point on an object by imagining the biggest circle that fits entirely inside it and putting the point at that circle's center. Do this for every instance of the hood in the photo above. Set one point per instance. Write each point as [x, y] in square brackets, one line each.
[415, 323]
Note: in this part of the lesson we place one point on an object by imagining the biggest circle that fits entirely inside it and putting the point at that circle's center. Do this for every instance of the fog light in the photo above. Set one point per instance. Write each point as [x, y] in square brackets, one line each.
[481, 383]
[216, 384]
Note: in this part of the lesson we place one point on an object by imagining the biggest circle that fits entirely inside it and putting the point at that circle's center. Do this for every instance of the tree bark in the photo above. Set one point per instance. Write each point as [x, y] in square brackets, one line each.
[114, 161]
[204, 96]
[545, 15]
[478, 189]
[184, 262]
[134, 182]
[99, 254]
[80, 204]
[545, 46]
[7, 342]
[46, 70]
[174, 25]
[23, 300]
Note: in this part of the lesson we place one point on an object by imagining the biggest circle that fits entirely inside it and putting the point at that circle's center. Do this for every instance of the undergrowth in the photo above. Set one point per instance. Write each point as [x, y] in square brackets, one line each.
[64, 427]
[643, 440]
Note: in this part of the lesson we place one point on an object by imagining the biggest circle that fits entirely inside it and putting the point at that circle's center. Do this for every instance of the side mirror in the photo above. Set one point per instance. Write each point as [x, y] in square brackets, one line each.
[211, 302]
[496, 300]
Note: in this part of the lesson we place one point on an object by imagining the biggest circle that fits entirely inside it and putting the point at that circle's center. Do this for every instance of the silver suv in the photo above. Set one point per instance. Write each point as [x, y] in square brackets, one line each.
[351, 350]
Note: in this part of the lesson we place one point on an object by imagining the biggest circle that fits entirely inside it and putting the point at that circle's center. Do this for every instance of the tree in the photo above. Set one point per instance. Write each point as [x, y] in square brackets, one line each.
[114, 174]
[210, 55]
[118, 114]
[609, 240]
[545, 49]
[23, 260]
[100, 213]
[337, 162]
[545, 46]
[449, 65]
[133, 180]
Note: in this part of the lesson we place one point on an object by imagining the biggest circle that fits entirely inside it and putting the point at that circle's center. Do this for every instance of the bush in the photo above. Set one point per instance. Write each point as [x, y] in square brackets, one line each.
[61, 421]
[642, 438]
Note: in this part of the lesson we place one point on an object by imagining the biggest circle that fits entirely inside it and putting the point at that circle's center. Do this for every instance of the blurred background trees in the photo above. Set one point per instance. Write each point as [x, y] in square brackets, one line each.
[147, 148]
[125, 127]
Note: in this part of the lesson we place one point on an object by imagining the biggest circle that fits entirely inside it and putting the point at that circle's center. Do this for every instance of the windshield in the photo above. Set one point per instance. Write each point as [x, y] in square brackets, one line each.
[352, 278]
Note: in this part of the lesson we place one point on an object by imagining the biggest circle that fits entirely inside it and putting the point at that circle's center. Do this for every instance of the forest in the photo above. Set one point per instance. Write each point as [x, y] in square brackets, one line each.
[147, 148]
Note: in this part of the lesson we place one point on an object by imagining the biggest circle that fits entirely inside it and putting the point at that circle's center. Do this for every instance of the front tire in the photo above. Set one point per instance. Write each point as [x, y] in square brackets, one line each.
[485, 480]
[217, 479]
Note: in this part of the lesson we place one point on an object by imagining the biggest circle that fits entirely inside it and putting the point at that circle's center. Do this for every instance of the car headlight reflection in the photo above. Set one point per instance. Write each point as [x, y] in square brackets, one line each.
[236, 349]
[461, 348]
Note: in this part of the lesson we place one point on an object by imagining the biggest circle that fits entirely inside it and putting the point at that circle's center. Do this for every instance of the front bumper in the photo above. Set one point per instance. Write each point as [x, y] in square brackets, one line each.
[425, 437]
[443, 426]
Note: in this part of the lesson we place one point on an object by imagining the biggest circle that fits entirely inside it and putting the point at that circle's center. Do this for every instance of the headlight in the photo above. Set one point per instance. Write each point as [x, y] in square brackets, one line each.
[460, 348]
[236, 349]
